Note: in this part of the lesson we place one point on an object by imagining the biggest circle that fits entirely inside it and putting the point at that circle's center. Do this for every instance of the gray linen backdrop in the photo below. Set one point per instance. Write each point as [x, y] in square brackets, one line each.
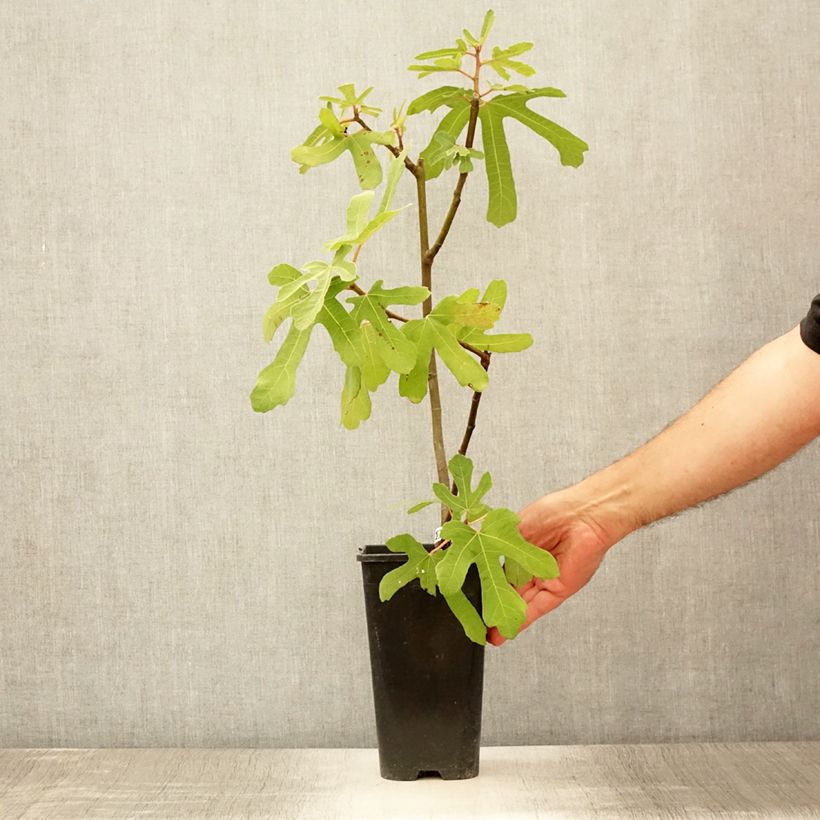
[178, 570]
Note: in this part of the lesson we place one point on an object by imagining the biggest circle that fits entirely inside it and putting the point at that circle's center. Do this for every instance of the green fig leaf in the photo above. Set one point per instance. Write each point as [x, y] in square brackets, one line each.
[474, 627]
[420, 565]
[489, 19]
[324, 146]
[498, 537]
[420, 506]
[502, 204]
[276, 383]
[355, 399]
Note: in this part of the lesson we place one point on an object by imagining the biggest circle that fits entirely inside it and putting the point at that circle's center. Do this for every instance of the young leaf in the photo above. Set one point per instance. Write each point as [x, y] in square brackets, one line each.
[313, 152]
[306, 309]
[448, 130]
[358, 211]
[395, 167]
[330, 121]
[425, 70]
[514, 50]
[468, 502]
[440, 52]
[360, 227]
[496, 293]
[349, 99]
[521, 89]
[420, 506]
[324, 146]
[489, 18]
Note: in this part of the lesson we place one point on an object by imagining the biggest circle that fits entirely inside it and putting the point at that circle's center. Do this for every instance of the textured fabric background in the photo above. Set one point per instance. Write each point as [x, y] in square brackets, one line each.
[178, 570]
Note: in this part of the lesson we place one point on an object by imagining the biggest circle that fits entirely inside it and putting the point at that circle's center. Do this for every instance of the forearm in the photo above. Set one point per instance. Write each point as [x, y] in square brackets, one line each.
[759, 415]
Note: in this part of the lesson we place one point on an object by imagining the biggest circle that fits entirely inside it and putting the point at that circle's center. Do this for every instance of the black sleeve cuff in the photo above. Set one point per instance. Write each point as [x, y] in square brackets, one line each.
[810, 326]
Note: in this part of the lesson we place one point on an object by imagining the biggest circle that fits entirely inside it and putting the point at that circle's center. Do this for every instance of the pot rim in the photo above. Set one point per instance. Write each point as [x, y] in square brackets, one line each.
[379, 552]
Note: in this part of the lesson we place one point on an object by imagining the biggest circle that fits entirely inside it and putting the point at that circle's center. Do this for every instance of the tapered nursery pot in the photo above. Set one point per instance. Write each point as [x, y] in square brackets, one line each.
[428, 676]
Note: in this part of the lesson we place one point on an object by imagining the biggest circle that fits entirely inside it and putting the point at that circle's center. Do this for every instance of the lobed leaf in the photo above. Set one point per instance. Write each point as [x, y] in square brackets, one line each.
[355, 399]
[490, 539]
[447, 131]
[496, 342]
[276, 383]
[374, 370]
[420, 565]
[474, 627]
[498, 537]
[324, 145]
[345, 334]
[431, 100]
[407, 295]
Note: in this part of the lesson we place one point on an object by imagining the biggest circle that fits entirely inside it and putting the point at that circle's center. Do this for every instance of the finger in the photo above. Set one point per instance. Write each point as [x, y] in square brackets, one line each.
[532, 591]
[540, 604]
[494, 636]
[525, 587]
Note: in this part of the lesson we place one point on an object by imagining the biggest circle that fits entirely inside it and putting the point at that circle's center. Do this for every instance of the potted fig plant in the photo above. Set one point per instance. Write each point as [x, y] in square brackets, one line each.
[428, 605]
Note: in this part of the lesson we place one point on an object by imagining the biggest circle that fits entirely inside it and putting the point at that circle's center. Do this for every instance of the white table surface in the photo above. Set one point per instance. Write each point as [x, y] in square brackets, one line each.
[777, 780]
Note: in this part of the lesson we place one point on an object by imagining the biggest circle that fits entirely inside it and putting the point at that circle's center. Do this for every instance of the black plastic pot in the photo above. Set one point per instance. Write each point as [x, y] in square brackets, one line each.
[428, 676]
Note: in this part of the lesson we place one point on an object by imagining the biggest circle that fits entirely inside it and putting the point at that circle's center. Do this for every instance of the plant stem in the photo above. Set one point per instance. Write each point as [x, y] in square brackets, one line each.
[427, 306]
[428, 254]
[462, 178]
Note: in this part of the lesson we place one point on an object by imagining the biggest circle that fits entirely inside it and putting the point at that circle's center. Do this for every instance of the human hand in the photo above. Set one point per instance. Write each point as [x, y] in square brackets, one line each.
[561, 523]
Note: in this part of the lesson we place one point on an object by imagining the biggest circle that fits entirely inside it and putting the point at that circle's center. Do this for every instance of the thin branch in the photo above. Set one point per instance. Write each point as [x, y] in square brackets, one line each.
[468, 432]
[462, 178]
